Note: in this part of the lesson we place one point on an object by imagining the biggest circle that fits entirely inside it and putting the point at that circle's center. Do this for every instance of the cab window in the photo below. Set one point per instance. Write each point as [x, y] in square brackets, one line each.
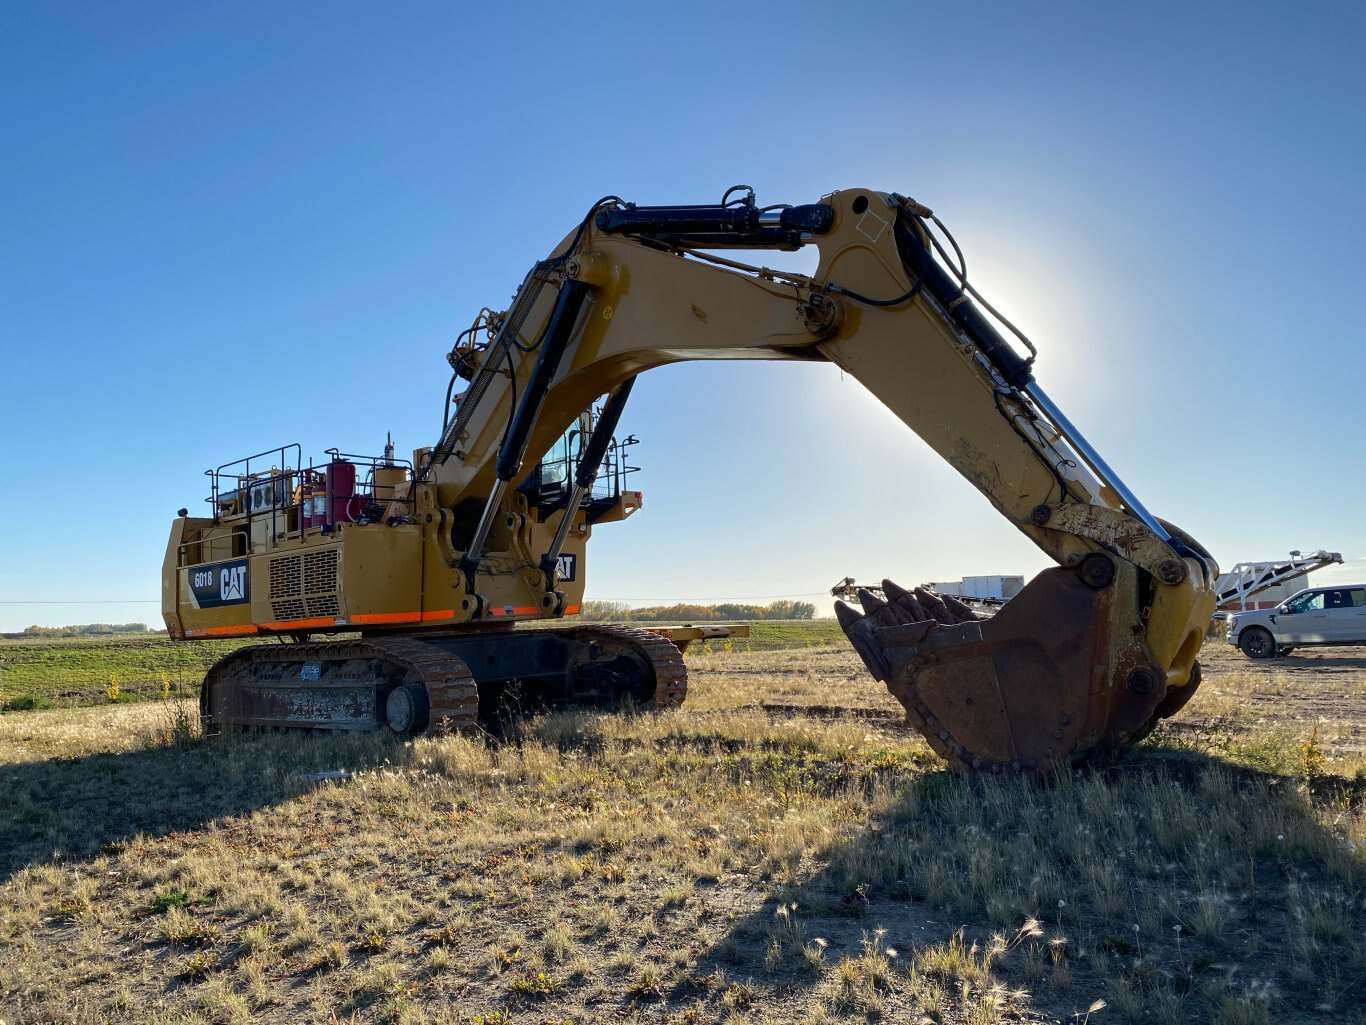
[1312, 602]
[1358, 597]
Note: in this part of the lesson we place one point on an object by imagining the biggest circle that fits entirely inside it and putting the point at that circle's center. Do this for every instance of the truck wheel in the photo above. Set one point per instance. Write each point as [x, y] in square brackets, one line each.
[1285, 649]
[1257, 643]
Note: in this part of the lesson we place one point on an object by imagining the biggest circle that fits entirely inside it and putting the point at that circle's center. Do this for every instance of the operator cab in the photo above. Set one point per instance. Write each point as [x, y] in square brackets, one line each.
[549, 485]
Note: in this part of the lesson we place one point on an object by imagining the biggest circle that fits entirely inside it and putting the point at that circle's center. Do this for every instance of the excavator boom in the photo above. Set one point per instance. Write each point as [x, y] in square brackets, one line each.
[1086, 656]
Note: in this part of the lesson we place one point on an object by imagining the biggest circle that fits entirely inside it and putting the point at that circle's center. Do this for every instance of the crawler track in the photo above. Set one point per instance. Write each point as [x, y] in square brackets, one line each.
[422, 685]
[665, 660]
[337, 686]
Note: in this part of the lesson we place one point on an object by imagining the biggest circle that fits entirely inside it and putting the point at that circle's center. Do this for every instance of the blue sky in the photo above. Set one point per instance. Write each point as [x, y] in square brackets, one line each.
[231, 226]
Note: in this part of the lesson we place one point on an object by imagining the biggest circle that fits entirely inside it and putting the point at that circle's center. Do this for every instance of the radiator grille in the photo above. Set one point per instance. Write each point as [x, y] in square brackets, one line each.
[320, 572]
[304, 586]
[287, 608]
[284, 577]
[323, 605]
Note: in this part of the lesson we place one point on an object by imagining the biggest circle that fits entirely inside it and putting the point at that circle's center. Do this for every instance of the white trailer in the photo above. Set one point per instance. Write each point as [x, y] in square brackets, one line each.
[993, 588]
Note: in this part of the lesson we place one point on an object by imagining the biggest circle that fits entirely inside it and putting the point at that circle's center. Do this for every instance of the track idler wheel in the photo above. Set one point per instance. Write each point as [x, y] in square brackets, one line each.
[407, 709]
[1060, 671]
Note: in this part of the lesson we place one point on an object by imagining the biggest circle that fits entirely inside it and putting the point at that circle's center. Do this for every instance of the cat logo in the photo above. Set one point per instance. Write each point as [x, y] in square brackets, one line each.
[219, 583]
[232, 583]
[565, 566]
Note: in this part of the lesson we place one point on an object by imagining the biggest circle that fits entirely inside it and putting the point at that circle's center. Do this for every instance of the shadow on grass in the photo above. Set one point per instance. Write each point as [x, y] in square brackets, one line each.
[1165, 882]
[1305, 659]
[70, 809]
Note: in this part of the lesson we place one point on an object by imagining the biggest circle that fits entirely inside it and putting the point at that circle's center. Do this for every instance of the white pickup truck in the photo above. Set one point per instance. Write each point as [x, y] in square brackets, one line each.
[1316, 616]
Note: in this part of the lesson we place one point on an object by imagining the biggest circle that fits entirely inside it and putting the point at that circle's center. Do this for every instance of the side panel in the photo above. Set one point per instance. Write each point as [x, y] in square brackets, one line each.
[359, 576]
[170, 581]
[210, 597]
[382, 576]
[215, 598]
[1311, 626]
[299, 587]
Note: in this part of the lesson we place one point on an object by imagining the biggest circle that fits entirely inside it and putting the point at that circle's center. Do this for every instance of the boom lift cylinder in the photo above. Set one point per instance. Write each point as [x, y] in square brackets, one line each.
[587, 471]
[567, 307]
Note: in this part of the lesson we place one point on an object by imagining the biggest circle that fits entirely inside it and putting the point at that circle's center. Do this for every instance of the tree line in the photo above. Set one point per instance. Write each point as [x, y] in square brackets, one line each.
[619, 612]
[85, 628]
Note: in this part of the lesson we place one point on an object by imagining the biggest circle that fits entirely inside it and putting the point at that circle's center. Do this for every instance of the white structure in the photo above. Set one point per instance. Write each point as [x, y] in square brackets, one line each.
[997, 588]
[1270, 583]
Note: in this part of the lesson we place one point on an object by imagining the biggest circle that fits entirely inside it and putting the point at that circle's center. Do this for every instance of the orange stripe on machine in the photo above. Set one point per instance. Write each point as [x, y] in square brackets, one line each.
[386, 617]
[222, 631]
[304, 624]
[402, 617]
[361, 619]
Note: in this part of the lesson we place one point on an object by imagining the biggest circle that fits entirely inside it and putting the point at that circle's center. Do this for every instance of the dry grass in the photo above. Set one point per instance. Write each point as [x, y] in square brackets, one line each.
[723, 862]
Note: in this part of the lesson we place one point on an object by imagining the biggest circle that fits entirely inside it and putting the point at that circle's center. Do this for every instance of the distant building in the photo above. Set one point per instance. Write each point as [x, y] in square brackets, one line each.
[998, 588]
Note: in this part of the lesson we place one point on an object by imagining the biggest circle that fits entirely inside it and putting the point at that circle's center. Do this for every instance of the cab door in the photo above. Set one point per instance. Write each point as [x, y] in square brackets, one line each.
[1304, 620]
[1347, 614]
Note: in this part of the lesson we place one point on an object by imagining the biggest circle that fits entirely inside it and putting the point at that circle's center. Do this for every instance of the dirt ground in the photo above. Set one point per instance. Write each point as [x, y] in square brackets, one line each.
[1286, 698]
[780, 849]
[1309, 689]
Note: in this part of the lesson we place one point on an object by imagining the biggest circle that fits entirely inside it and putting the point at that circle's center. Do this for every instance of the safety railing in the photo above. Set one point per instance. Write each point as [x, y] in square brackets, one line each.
[550, 484]
[273, 471]
[273, 496]
[611, 480]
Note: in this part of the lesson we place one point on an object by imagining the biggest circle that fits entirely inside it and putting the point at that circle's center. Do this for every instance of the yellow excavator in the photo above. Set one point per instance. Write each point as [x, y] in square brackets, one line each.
[448, 574]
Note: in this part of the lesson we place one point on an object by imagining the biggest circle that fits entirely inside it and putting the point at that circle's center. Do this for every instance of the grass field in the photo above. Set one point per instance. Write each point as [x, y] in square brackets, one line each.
[77, 671]
[752, 857]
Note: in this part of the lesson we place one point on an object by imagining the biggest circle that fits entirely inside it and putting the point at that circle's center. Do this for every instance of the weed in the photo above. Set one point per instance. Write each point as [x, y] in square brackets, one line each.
[24, 703]
[557, 942]
[505, 957]
[648, 985]
[1311, 756]
[181, 929]
[738, 996]
[534, 985]
[198, 966]
[447, 936]
[167, 899]
[257, 937]
[330, 957]
[178, 726]
[373, 942]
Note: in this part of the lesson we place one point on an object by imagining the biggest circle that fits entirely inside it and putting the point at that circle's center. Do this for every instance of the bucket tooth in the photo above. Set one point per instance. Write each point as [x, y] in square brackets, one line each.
[902, 598]
[861, 635]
